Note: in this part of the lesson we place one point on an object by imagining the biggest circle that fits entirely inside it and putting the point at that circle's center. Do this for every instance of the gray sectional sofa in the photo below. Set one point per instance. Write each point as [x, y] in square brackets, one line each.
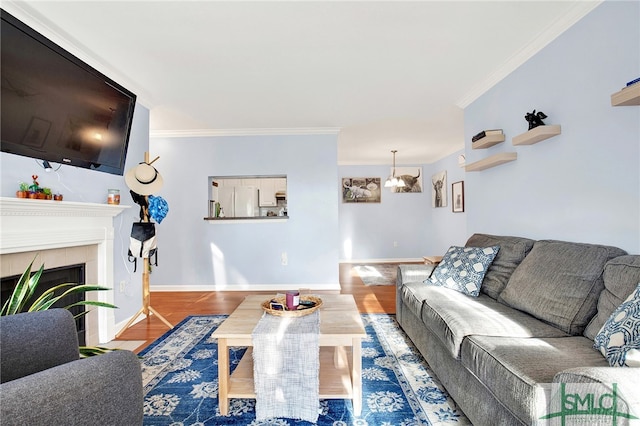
[502, 355]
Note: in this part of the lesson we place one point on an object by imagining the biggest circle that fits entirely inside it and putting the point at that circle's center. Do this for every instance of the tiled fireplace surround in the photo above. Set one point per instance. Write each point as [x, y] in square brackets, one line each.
[63, 233]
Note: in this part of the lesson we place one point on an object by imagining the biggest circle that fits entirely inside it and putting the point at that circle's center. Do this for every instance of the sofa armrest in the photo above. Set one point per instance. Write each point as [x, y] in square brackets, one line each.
[413, 273]
[407, 274]
[104, 389]
[600, 380]
[35, 341]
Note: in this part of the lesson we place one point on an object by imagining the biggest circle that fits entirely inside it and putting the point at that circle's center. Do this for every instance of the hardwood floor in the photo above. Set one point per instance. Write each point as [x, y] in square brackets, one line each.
[176, 306]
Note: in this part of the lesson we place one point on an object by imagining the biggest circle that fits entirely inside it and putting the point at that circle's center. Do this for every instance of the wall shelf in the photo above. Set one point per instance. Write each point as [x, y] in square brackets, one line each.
[487, 141]
[493, 161]
[627, 96]
[537, 134]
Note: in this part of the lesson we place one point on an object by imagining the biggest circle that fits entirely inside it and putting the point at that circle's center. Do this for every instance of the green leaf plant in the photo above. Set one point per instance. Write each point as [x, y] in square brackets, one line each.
[26, 287]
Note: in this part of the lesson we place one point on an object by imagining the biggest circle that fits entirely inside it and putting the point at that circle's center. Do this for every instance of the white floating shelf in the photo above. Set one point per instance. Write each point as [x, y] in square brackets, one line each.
[493, 161]
[487, 141]
[627, 96]
[537, 134]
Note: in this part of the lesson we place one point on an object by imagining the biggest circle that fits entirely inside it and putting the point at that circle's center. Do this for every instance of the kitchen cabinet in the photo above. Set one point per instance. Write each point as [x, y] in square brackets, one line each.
[281, 185]
[267, 193]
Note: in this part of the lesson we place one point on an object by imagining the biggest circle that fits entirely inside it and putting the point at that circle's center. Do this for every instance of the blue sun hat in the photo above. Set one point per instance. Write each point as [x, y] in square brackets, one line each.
[158, 208]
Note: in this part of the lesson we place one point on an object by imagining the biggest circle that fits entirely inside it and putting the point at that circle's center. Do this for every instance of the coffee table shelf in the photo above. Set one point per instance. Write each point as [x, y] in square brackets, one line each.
[334, 376]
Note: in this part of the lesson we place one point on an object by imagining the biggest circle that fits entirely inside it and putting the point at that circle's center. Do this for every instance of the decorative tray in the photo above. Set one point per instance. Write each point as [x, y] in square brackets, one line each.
[308, 305]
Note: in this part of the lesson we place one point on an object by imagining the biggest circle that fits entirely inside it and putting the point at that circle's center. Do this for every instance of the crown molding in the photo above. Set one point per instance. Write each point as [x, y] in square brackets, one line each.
[576, 13]
[244, 132]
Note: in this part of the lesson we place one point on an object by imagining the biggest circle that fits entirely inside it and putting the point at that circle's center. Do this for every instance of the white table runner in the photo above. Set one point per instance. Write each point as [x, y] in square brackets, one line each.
[286, 367]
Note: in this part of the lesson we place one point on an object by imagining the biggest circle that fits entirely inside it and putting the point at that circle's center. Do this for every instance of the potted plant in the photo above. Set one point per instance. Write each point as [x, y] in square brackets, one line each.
[47, 193]
[34, 188]
[25, 289]
[57, 197]
[23, 192]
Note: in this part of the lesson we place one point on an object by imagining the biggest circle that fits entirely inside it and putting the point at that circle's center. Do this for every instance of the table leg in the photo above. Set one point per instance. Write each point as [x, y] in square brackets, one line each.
[223, 376]
[356, 375]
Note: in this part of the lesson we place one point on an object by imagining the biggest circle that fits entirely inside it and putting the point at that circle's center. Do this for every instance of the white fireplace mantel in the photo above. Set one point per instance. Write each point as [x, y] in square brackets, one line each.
[28, 225]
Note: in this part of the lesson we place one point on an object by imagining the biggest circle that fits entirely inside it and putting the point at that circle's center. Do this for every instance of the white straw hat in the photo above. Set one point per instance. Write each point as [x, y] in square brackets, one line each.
[143, 179]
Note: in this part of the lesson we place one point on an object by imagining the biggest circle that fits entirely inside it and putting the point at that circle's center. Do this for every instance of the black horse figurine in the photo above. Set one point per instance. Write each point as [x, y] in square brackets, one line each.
[535, 119]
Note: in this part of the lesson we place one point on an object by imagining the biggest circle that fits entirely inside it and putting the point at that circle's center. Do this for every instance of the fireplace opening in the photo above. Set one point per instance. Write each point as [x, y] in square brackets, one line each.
[50, 278]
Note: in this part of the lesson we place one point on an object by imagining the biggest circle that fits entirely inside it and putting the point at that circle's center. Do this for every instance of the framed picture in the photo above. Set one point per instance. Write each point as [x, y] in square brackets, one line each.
[439, 189]
[457, 197]
[361, 190]
[412, 177]
[37, 132]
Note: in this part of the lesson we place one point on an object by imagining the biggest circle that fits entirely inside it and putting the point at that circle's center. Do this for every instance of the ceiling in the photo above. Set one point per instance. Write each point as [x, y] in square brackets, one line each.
[382, 75]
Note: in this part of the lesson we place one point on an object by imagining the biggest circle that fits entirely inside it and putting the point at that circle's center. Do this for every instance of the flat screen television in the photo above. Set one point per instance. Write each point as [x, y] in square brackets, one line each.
[56, 107]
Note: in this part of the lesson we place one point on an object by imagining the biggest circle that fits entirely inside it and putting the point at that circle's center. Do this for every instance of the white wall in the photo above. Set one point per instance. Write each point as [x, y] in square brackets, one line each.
[196, 254]
[583, 185]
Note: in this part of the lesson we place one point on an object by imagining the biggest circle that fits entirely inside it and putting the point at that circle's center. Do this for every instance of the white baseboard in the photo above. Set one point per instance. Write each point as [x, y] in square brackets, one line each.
[248, 287]
[125, 321]
[399, 260]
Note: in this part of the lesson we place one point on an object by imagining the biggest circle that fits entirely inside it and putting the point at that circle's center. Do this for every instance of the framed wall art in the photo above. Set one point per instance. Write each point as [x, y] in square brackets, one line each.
[412, 178]
[439, 189]
[37, 132]
[361, 190]
[457, 197]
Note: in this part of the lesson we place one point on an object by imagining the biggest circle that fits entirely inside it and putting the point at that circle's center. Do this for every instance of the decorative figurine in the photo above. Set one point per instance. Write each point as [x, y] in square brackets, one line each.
[535, 119]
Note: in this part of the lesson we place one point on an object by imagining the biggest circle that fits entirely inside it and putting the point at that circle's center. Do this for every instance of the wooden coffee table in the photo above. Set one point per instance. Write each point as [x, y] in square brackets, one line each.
[341, 334]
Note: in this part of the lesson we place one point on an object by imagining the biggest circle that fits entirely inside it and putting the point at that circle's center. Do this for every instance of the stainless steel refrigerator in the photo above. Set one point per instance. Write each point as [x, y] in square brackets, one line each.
[239, 201]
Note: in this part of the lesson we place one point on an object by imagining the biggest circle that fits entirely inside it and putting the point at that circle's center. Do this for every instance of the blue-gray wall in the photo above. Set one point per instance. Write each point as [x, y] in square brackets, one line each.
[202, 255]
[368, 230]
[583, 185]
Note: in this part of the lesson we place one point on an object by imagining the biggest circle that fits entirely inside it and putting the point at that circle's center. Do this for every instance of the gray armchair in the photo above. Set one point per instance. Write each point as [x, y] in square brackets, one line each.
[44, 381]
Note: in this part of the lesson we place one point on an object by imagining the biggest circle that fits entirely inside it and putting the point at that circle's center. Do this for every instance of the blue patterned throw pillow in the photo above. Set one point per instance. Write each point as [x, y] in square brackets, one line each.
[619, 338]
[463, 268]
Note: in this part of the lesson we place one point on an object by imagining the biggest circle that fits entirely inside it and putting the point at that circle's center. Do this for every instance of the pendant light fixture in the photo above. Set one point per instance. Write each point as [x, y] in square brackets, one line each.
[392, 181]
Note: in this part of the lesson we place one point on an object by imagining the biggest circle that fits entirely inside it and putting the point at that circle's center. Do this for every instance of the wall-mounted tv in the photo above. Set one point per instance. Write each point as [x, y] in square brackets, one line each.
[56, 107]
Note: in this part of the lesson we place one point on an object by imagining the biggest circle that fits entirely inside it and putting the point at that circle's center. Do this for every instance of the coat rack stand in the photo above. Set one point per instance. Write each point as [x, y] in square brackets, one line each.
[146, 309]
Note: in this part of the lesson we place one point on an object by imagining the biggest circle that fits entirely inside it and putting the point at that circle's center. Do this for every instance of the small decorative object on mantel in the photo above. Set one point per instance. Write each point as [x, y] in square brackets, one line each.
[34, 188]
[535, 119]
[23, 192]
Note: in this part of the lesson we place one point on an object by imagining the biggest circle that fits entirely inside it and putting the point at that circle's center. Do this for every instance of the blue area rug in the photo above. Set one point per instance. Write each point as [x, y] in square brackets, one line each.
[180, 377]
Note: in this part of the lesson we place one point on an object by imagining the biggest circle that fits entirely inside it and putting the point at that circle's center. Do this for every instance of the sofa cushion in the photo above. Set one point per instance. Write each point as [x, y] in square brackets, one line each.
[462, 268]
[516, 370]
[621, 275]
[452, 316]
[619, 337]
[512, 251]
[560, 282]
[413, 295]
